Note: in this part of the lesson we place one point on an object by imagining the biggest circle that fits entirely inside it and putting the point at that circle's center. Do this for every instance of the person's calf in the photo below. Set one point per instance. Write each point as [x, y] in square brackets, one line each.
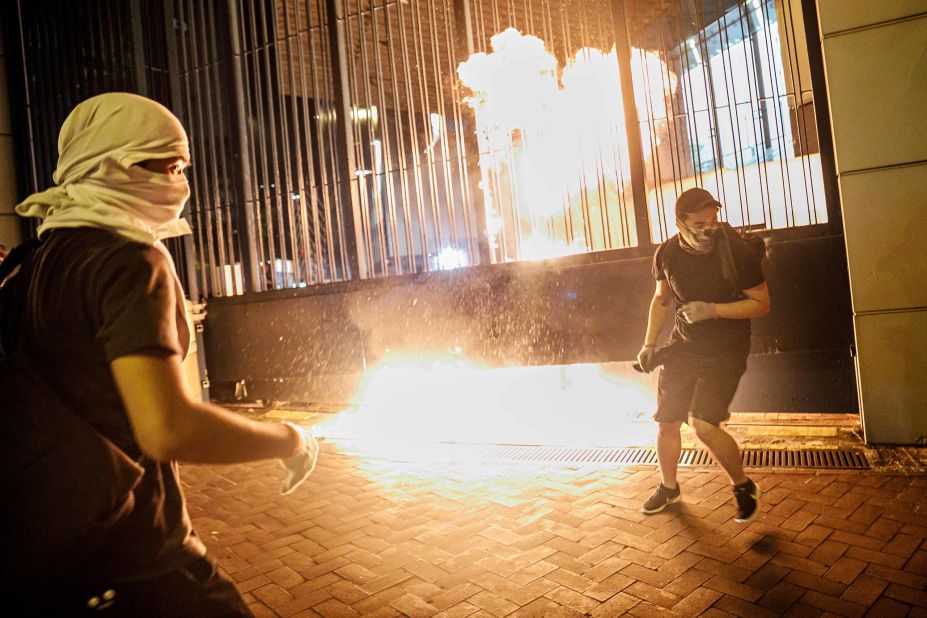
[723, 449]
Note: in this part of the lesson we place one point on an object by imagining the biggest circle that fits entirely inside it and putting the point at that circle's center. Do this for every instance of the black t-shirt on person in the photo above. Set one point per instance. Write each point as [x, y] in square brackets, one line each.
[699, 277]
[98, 297]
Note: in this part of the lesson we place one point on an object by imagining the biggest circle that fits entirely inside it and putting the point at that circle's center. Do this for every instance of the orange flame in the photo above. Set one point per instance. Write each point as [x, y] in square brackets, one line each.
[546, 136]
[408, 403]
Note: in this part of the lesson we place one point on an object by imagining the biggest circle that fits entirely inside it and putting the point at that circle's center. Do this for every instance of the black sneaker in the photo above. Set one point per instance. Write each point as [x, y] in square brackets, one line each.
[748, 502]
[661, 498]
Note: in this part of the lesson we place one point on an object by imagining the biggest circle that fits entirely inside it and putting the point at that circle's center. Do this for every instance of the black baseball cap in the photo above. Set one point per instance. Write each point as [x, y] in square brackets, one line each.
[693, 200]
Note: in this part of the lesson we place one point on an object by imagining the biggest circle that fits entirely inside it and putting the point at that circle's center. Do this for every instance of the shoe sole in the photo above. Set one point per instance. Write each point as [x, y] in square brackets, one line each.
[673, 500]
[756, 511]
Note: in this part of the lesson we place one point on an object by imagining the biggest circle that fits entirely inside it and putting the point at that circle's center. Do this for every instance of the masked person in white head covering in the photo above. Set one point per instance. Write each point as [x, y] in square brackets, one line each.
[98, 307]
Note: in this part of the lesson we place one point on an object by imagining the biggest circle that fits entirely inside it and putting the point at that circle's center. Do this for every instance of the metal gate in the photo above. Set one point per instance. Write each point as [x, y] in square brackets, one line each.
[339, 140]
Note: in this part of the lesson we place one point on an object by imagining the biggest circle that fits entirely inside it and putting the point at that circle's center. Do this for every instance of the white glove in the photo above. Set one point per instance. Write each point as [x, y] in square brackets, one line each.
[697, 311]
[645, 358]
[301, 463]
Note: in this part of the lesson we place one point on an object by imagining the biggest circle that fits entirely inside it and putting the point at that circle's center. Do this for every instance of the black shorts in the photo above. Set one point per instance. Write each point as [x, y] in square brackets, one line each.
[698, 386]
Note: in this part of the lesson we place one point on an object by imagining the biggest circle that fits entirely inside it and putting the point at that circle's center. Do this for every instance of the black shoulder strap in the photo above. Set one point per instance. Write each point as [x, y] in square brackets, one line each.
[728, 267]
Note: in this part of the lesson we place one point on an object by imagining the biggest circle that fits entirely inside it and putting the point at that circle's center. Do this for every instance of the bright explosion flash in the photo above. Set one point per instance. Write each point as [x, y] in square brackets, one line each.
[407, 405]
[553, 146]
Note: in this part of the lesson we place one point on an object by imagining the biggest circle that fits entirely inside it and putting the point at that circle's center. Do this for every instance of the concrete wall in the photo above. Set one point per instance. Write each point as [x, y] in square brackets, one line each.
[10, 233]
[875, 57]
[314, 344]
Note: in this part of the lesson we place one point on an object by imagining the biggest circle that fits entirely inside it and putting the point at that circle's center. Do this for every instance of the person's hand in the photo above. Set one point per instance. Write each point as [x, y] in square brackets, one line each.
[645, 358]
[301, 463]
[698, 311]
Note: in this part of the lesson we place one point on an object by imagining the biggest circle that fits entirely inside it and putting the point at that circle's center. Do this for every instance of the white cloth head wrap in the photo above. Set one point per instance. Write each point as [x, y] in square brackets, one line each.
[98, 183]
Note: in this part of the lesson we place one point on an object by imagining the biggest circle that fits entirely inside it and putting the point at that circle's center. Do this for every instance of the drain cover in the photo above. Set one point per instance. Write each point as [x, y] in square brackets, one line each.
[835, 459]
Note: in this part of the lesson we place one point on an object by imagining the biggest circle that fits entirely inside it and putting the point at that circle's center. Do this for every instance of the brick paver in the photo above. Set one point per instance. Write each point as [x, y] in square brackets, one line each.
[367, 537]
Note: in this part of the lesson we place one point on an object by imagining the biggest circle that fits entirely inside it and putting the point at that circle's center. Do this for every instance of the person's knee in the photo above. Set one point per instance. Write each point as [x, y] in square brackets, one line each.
[703, 429]
[669, 429]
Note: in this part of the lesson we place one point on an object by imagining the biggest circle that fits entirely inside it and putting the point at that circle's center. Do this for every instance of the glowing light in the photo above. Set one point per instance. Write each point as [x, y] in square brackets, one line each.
[407, 404]
[452, 257]
[365, 114]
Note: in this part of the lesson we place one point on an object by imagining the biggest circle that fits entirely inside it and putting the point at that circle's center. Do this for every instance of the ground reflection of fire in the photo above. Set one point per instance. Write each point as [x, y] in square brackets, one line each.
[416, 404]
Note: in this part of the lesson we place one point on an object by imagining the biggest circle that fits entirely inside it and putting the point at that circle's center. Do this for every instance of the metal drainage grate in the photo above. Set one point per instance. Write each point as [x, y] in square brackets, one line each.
[834, 459]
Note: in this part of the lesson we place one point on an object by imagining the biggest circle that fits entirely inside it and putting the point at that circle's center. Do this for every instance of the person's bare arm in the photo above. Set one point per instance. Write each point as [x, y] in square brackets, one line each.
[169, 425]
[756, 305]
[659, 310]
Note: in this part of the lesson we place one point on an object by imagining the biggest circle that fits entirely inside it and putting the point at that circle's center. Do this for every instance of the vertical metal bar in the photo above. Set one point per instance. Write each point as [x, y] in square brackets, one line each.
[243, 173]
[367, 194]
[138, 48]
[193, 284]
[200, 115]
[732, 112]
[401, 145]
[711, 101]
[259, 49]
[198, 126]
[345, 135]
[443, 154]
[413, 137]
[418, 36]
[822, 115]
[306, 167]
[632, 125]
[194, 291]
[226, 202]
[389, 216]
[464, 48]
[785, 179]
[671, 115]
[753, 87]
[285, 189]
[801, 133]
[23, 67]
[471, 236]
[213, 136]
[304, 136]
[267, 112]
[327, 175]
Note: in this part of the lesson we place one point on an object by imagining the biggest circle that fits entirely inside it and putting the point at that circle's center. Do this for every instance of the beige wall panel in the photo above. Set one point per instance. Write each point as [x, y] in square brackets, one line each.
[892, 367]
[885, 222]
[8, 174]
[10, 231]
[877, 88]
[836, 15]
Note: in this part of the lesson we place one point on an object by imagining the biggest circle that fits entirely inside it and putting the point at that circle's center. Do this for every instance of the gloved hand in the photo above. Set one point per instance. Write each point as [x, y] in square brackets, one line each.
[301, 463]
[696, 311]
[645, 358]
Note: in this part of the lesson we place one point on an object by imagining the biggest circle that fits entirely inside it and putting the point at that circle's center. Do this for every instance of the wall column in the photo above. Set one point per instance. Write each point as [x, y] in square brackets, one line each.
[875, 60]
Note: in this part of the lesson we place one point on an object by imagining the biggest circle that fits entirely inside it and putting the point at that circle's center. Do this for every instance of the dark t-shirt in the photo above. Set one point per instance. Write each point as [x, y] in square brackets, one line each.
[699, 277]
[97, 297]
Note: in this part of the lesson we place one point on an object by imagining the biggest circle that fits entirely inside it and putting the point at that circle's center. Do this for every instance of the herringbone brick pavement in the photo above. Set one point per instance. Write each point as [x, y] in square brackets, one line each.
[375, 538]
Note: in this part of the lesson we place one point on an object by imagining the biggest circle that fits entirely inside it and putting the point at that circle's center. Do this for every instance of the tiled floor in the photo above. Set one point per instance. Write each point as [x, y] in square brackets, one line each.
[376, 538]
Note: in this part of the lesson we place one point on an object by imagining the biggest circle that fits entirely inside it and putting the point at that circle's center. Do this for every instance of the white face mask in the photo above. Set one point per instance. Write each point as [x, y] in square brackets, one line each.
[154, 198]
